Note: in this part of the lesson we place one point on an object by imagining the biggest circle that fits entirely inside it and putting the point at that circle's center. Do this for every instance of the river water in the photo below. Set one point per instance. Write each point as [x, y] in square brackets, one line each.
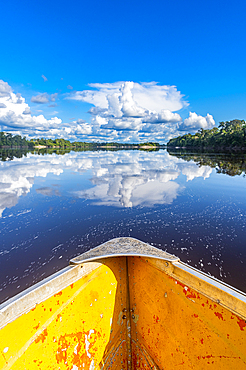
[54, 207]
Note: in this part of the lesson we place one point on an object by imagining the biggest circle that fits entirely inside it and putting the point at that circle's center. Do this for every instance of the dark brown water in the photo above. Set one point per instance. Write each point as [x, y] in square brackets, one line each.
[55, 207]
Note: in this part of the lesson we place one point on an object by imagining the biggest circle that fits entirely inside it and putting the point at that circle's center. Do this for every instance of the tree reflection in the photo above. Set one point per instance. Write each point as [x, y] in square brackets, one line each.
[10, 154]
[226, 163]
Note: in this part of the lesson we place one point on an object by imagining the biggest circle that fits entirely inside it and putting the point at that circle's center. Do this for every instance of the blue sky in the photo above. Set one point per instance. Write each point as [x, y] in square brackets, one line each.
[143, 70]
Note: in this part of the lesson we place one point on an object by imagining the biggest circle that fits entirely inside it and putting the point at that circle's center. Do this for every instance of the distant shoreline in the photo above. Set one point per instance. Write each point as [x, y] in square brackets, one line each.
[87, 147]
[8, 141]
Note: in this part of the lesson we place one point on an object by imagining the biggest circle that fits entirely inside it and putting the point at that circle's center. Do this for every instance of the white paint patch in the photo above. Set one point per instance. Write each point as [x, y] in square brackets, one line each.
[75, 349]
[186, 288]
[75, 367]
[101, 315]
[92, 365]
[110, 292]
[5, 349]
[111, 320]
[87, 344]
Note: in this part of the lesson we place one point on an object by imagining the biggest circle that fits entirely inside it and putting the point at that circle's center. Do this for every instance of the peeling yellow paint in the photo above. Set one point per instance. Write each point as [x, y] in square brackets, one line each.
[164, 323]
[64, 332]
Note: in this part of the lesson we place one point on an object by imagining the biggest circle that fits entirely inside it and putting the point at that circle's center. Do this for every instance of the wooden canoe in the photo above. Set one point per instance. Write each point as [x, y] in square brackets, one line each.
[125, 305]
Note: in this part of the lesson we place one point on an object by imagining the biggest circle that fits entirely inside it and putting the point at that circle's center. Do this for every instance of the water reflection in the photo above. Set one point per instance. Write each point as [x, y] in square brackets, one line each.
[48, 191]
[231, 164]
[57, 206]
[18, 176]
[10, 154]
[125, 179]
[130, 190]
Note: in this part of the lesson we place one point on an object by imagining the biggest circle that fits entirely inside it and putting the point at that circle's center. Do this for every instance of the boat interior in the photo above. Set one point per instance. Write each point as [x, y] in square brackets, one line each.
[125, 305]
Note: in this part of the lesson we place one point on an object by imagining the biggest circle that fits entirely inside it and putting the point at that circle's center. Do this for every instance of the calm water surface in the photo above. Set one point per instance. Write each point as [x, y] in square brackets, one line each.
[54, 207]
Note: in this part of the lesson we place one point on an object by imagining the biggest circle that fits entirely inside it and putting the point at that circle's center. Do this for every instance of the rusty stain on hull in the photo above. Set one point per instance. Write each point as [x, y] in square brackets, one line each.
[125, 312]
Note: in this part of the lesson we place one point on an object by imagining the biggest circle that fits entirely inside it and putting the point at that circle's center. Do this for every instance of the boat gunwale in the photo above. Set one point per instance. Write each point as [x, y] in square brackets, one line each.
[26, 300]
[159, 254]
[123, 246]
[104, 256]
[9, 310]
[208, 279]
[236, 293]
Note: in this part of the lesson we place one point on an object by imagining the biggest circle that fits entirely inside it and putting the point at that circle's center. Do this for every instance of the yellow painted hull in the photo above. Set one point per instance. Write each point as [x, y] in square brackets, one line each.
[125, 312]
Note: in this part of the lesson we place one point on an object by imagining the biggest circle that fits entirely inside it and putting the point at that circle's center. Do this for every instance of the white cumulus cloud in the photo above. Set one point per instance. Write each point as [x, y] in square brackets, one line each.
[164, 116]
[124, 111]
[44, 98]
[149, 96]
[194, 122]
[130, 106]
[40, 99]
[15, 114]
[5, 89]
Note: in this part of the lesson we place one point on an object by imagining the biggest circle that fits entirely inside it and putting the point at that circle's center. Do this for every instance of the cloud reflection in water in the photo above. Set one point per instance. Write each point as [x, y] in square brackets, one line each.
[126, 178]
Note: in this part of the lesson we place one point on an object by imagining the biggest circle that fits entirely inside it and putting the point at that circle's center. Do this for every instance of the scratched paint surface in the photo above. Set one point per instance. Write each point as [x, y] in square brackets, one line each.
[178, 328]
[80, 327]
[88, 325]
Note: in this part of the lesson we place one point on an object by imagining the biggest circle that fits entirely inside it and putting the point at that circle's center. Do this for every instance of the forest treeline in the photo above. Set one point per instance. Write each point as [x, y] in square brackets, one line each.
[62, 143]
[229, 135]
[7, 140]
